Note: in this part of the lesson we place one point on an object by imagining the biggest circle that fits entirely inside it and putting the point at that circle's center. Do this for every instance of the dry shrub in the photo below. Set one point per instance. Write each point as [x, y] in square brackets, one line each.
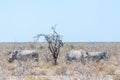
[102, 69]
[46, 64]
[113, 60]
[71, 68]
[0, 61]
[116, 76]
[75, 78]
[93, 70]
[32, 45]
[72, 65]
[58, 70]
[13, 72]
[48, 57]
[110, 69]
[31, 78]
[45, 78]
[37, 71]
[10, 66]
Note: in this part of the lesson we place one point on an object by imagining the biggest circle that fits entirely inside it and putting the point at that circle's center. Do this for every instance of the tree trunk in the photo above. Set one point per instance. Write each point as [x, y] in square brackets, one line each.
[55, 56]
[55, 61]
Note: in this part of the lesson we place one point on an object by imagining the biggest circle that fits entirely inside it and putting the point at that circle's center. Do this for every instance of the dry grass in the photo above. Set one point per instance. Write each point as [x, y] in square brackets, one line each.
[45, 70]
[31, 78]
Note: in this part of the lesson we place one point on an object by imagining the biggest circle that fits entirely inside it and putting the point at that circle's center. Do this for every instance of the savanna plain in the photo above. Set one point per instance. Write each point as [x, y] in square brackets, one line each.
[44, 69]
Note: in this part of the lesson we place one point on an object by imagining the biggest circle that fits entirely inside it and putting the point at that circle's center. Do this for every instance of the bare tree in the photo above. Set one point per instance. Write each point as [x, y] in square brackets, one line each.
[54, 43]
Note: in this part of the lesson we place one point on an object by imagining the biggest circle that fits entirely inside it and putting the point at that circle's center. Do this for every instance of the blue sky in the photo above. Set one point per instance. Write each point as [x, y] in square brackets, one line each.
[77, 20]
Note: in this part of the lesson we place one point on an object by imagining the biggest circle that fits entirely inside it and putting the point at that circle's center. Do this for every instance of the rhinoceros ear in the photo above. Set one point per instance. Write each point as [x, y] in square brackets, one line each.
[9, 53]
[104, 53]
[87, 53]
[16, 52]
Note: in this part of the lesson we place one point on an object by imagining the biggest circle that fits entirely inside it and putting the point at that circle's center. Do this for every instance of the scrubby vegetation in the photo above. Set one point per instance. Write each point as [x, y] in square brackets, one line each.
[45, 70]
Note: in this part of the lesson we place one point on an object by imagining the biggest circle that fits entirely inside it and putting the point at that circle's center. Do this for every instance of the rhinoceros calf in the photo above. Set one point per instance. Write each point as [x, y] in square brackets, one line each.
[23, 55]
[78, 55]
[97, 56]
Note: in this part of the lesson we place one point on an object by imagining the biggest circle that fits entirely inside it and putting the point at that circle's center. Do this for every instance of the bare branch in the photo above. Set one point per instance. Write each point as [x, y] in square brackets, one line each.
[54, 41]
